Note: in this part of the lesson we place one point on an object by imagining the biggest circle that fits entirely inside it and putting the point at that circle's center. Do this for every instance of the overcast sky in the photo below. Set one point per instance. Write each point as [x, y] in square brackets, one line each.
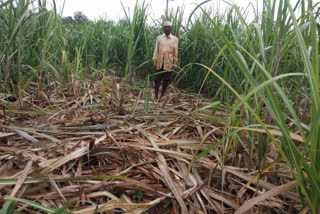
[112, 9]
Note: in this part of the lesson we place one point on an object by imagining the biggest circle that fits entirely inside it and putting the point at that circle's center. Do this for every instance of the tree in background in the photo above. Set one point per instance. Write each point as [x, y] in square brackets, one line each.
[80, 17]
[68, 20]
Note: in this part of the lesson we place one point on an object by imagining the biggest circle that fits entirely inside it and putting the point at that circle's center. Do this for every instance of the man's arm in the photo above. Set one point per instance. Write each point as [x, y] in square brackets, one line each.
[155, 55]
[175, 56]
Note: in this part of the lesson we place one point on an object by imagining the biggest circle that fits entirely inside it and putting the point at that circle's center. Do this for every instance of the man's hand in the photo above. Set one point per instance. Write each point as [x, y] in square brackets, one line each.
[174, 68]
[154, 67]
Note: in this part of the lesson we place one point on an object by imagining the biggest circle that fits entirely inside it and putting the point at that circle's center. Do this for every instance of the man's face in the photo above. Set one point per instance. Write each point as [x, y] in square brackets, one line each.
[167, 30]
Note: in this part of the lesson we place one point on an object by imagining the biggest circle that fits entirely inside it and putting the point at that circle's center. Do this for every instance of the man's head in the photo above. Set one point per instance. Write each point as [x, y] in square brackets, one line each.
[167, 27]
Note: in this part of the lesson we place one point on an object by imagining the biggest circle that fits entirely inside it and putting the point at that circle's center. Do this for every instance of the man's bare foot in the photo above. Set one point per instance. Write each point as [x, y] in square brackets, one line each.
[163, 98]
[155, 99]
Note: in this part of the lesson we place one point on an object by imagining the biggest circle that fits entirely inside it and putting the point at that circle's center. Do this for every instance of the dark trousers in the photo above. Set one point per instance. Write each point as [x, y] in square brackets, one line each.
[164, 79]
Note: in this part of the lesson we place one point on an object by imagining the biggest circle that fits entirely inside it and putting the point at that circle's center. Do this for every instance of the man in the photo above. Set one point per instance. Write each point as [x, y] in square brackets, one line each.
[165, 58]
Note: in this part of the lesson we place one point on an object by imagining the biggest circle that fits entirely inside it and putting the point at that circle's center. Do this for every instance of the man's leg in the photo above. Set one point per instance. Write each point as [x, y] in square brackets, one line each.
[166, 82]
[157, 82]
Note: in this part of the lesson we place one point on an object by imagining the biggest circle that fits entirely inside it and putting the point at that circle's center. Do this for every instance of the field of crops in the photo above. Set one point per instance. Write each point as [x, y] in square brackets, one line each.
[238, 131]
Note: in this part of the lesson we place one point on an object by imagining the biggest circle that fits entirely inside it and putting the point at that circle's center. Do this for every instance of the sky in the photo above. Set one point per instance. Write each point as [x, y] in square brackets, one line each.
[112, 9]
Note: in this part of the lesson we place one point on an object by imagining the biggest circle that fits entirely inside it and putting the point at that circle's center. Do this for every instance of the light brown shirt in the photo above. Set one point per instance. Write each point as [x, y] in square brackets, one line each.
[166, 50]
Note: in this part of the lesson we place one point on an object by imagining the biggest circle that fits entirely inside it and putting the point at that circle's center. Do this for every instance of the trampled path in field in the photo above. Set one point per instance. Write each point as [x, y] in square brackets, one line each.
[111, 144]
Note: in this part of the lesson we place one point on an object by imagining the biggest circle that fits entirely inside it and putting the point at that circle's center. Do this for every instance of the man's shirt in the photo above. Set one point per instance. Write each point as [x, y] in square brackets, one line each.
[166, 50]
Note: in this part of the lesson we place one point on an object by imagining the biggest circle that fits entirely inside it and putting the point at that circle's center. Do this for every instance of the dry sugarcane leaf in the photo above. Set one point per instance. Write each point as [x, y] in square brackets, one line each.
[57, 189]
[5, 135]
[295, 137]
[121, 205]
[271, 193]
[262, 183]
[164, 169]
[21, 179]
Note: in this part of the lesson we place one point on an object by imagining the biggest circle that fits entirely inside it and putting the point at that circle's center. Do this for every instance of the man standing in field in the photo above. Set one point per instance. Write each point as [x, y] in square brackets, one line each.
[165, 58]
